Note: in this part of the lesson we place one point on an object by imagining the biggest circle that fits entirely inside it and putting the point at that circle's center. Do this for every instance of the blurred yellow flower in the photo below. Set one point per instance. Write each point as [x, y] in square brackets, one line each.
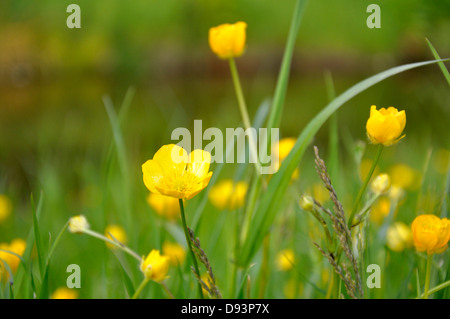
[78, 224]
[204, 278]
[399, 236]
[380, 210]
[396, 193]
[5, 207]
[280, 150]
[320, 193]
[175, 252]
[404, 176]
[173, 173]
[64, 293]
[117, 232]
[229, 195]
[228, 40]
[16, 246]
[385, 125]
[285, 259]
[380, 184]
[430, 233]
[155, 266]
[164, 206]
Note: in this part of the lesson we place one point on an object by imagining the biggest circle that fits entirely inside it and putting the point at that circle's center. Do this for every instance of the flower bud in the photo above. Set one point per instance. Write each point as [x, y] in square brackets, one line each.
[380, 184]
[228, 40]
[385, 126]
[155, 266]
[78, 224]
[306, 203]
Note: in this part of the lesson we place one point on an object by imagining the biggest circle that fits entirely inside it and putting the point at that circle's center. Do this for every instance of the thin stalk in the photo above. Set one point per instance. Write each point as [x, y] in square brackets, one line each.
[244, 113]
[363, 188]
[140, 288]
[163, 284]
[427, 276]
[112, 242]
[436, 289]
[186, 233]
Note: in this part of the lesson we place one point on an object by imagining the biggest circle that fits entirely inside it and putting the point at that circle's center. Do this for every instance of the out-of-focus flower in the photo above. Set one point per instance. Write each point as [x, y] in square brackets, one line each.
[320, 193]
[228, 40]
[175, 252]
[78, 224]
[380, 210]
[64, 293]
[399, 237]
[229, 195]
[442, 161]
[385, 126]
[380, 184]
[204, 278]
[285, 259]
[117, 232]
[16, 246]
[173, 173]
[280, 150]
[404, 176]
[306, 202]
[5, 207]
[164, 206]
[430, 233]
[155, 266]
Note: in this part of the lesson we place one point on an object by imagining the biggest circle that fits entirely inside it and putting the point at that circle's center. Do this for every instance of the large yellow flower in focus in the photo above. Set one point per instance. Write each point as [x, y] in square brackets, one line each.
[228, 40]
[385, 126]
[430, 233]
[173, 173]
[155, 266]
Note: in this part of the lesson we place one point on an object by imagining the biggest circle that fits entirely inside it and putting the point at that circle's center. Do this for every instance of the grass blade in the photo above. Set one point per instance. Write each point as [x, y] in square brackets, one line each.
[441, 64]
[37, 235]
[278, 184]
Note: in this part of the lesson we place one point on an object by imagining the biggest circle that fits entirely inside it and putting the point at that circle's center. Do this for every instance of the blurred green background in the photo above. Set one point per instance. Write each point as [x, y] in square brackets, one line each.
[54, 130]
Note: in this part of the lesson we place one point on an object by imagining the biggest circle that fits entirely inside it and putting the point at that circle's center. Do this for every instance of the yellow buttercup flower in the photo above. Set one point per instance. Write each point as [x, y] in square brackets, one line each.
[164, 206]
[229, 195]
[16, 246]
[175, 252]
[155, 266]
[280, 150]
[78, 224]
[173, 173]
[117, 232]
[64, 293]
[228, 40]
[380, 210]
[399, 237]
[385, 126]
[5, 207]
[430, 233]
[285, 259]
[404, 176]
[380, 184]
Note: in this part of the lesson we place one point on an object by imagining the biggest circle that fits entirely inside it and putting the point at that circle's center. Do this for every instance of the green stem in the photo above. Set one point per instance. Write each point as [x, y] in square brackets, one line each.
[363, 188]
[140, 288]
[186, 233]
[244, 113]
[427, 276]
[112, 242]
[437, 288]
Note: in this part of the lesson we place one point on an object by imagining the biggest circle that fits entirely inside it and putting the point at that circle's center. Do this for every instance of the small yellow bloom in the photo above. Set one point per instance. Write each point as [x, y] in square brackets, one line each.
[164, 206]
[430, 233]
[229, 195]
[380, 184]
[5, 207]
[285, 259]
[385, 126]
[78, 224]
[64, 293]
[405, 177]
[306, 202]
[175, 252]
[399, 237]
[280, 150]
[115, 233]
[173, 173]
[380, 210]
[228, 40]
[16, 246]
[155, 266]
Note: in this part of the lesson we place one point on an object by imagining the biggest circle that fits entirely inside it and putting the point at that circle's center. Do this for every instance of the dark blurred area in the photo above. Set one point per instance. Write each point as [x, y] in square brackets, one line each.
[52, 78]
